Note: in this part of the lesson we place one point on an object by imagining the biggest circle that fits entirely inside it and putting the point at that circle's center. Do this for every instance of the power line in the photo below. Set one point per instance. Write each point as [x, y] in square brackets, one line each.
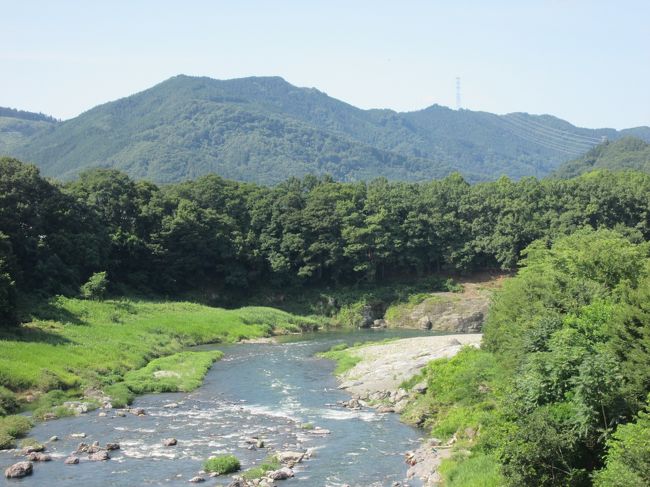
[558, 139]
[520, 117]
[549, 144]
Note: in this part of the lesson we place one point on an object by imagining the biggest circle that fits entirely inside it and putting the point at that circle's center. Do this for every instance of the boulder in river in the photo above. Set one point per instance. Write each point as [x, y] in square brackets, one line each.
[32, 448]
[197, 479]
[280, 474]
[138, 411]
[82, 448]
[39, 457]
[290, 456]
[112, 446]
[99, 456]
[71, 460]
[169, 442]
[19, 470]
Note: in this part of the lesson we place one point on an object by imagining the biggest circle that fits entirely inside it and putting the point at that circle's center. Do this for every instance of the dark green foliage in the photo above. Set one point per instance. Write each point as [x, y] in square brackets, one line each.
[558, 389]
[628, 455]
[225, 237]
[628, 153]
[265, 130]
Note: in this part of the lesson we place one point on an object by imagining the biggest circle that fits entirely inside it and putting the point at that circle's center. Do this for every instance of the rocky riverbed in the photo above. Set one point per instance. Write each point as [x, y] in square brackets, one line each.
[375, 382]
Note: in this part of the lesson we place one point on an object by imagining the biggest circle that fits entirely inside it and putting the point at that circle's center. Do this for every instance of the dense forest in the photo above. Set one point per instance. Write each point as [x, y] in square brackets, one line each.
[224, 235]
[558, 393]
[265, 130]
[628, 153]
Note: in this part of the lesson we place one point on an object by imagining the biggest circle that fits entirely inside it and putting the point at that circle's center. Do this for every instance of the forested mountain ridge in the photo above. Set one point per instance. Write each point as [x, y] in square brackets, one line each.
[17, 126]
[263, 129]
[628, 153]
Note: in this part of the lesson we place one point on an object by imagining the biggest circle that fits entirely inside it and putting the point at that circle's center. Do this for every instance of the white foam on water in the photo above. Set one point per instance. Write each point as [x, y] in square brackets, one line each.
[342, 415]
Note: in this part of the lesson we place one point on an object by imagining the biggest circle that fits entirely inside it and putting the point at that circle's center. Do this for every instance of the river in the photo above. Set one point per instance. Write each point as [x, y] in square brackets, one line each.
[265, 390]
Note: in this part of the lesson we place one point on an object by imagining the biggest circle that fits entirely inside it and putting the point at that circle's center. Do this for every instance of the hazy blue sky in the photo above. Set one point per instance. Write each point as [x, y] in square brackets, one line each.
[586, 61]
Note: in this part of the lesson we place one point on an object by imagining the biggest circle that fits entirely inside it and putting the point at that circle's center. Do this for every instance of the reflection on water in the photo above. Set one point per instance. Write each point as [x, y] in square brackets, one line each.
[260, 390]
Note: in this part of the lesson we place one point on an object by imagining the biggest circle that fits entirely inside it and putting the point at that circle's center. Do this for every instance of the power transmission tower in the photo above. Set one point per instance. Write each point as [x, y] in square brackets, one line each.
[457, 93]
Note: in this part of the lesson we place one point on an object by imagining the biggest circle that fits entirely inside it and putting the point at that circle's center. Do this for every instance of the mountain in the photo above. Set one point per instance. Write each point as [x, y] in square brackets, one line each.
[626, 153]
[18, 126]
[264, 129]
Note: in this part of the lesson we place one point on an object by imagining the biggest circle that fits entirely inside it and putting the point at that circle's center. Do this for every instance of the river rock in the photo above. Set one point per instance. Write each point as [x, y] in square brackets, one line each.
[78, 407]
[424, 323]
[71, 460]
[39, 457]
[385, 409]
[381, 323]
[290, 456]
[281, 474]
[53, 439]
[320, 431]
[138, 411]
[112, 446]
[120, 414]
[36, 447]
[169, 442]
[19, 470]
[82, 447]
[99, 456]
[197, 479]
[94, 448]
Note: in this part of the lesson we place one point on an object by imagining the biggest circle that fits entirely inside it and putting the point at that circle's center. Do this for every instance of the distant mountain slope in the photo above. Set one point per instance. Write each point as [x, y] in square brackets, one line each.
[18, 126]
[626, 153]
[264, 129]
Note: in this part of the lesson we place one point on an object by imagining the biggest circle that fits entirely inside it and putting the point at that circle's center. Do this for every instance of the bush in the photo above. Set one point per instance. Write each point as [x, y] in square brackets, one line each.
[12, 427]
[8, 401]
[222, 464]
[120, 394]
[270, 463]
[95, 287]
[628, 457]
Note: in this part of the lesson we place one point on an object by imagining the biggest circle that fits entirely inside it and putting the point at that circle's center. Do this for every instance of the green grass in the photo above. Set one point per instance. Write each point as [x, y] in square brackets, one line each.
[343, 358]
[270, 463]
[71, 343]
[222, 464]
[344, 355]
[181, 372]
[478, 468]
[12, 427]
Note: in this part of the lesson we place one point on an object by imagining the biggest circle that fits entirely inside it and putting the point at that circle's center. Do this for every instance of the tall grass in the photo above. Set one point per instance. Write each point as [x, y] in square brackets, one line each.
[73, 343]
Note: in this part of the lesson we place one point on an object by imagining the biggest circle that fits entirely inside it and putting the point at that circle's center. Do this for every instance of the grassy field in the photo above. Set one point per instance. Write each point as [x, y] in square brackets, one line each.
[71, 345]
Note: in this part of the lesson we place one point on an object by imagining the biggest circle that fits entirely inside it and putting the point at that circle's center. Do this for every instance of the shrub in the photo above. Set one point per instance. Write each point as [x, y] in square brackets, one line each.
[120, 394]
[270, 463]
[222, 464]
[8, 401]
[7, 441]
[95, 287]
[12, 427]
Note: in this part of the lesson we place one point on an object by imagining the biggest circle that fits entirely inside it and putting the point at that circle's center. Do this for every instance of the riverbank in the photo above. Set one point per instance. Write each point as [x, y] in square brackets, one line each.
[388, 376]
[80, 350]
